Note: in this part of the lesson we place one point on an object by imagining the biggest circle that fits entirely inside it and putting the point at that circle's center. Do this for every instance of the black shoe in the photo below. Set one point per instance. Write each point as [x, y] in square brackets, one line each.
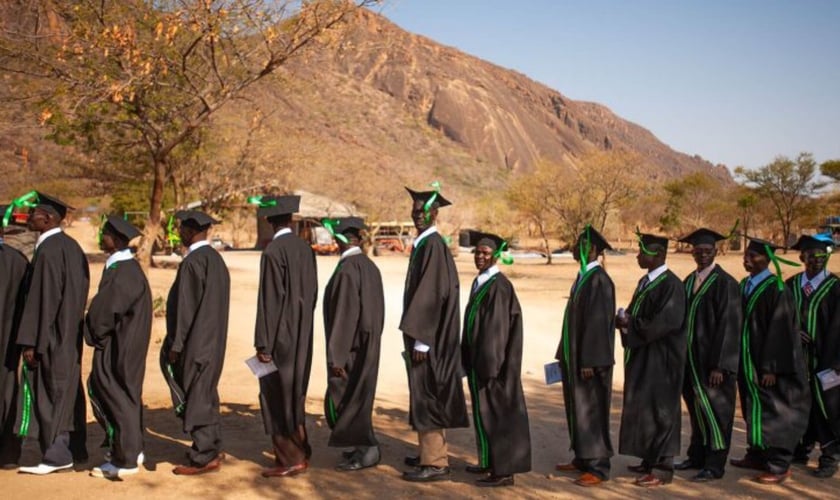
[493, 481]
[639, 469]
[704, 476]
[824, 472]
[687, 464]
[427, 473]
[477, 469]
[412, 461]
[347, 454]
[354, 464]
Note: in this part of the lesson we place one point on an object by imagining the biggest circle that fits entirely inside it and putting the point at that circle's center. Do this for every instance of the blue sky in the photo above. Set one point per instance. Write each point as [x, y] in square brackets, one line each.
[735, 81]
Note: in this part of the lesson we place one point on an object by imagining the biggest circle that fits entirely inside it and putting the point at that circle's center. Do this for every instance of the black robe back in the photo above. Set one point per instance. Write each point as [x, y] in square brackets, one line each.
[53, 323]
[776, 416]
[588, 341]
[431, 314]
[491, 351]
[285, 314]
[13, 271]
[118, 327]
[196, 326]
[819, 316]
[354, 315]
[713, 325]
[654, 353]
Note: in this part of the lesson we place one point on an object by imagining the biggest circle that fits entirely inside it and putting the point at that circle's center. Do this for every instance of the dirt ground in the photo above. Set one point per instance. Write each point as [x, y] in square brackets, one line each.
[542, 291]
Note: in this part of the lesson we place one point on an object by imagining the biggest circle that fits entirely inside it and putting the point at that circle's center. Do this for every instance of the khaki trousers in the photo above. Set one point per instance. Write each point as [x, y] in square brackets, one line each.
[433, 448]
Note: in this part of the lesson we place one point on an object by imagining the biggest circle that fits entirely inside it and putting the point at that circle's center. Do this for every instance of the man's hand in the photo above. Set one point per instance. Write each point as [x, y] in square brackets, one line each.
[264, 357]
[29, 357]
[768, 380]
[173, 356]
[338, 372]
[587, 373]
[622, 321]
[418, 357]
[715, 378]
[804, 337]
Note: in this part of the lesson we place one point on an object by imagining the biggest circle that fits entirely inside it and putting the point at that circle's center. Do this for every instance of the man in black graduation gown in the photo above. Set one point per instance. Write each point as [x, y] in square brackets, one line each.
[775, 400]
[13, 270]
[430, 324]
[50, 337]
[118, 327]
[586, 354]
[354, 314]
[713, 326]
[816, 293]
[193, 351]
[283, 335]
[491, 353]
[654, 363]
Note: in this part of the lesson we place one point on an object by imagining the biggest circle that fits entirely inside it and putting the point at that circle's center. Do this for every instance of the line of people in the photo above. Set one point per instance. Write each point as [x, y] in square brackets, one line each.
[695, 339]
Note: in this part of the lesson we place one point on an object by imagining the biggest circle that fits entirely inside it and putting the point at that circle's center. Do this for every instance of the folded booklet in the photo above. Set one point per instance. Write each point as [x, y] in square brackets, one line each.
[260, 369]
[553, 373]
[828, 379]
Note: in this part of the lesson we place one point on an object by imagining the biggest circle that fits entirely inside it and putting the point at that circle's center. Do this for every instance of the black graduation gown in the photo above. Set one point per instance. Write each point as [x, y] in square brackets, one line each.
[777, 416]
[118, 327]
[196, 326]
[654, 354]
[588, 341]
[431, 314]
[713, 325]
[819, 316]
[13, 271]
[491, 351]
[354, 314]
[52, 399]
[285, 309]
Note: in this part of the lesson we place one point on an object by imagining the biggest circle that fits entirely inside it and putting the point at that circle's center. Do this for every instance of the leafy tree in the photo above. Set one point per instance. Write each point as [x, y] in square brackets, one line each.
[135, 82]
[831, 169]
[788, 184]
[691, 202]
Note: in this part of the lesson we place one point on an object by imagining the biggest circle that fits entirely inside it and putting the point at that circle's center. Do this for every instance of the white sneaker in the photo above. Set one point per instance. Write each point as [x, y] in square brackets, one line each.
[111, 471]
[141, 458]
[43, 469]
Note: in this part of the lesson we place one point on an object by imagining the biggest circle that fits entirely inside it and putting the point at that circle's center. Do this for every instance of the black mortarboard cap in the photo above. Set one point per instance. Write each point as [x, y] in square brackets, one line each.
[278, 205]
[596, 239]
[652, 239]
[121, 227]
[350, 224]
[53, 204]
[808, 242]
[424, 196]
[492, 241]
[760, 246]
[195, 218]
[702, 236]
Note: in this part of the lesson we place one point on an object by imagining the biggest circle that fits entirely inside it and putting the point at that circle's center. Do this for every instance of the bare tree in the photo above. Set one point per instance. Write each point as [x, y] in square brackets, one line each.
[139, 80]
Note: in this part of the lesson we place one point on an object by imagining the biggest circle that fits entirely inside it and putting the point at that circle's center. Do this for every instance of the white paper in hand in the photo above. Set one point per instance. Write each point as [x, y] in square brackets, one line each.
[260, 369]
[828, 379]
[553, 374]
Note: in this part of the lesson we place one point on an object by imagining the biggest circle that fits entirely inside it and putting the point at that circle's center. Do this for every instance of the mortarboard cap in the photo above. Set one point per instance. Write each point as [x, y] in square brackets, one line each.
[652, 239]
[424, 196]
[353, 224]
[491, 241]
[702, 236]
[808, 242]
[195, 218]
[596, 239]
[121, 227]
[278, 205]
[760, 246]
[52, 204]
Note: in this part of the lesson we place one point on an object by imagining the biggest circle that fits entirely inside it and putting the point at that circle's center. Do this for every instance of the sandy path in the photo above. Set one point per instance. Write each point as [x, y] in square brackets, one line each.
[542, 291]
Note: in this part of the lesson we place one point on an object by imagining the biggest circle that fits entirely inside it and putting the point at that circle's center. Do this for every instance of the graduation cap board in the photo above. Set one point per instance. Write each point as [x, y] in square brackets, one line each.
[275, 205]
[337, 227]
[821, 242]
[587, 239]
[53, 205]
[702, 236]
[195, 218]
[121, 227]
[648, 240]
[768, 249]
[430, 199]
[493, 242]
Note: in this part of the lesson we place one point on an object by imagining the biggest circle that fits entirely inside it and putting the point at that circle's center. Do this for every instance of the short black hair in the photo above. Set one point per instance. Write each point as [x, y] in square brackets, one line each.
[279, 220]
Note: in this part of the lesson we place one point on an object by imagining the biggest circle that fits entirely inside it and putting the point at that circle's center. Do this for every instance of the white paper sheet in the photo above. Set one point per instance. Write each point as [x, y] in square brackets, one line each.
[828, 379]
[260, 369]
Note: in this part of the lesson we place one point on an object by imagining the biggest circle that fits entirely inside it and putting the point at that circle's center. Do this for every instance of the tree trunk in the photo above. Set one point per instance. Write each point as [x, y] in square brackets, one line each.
[144, 253]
